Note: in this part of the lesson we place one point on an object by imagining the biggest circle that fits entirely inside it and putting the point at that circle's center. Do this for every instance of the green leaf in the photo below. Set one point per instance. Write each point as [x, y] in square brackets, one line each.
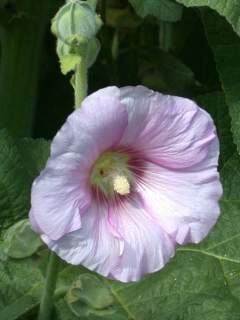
[34, 154]
[21, 284]
[20, 241]
[19, 308]
[215, 104]
[122, 18]
[14, 183]
[166, 73]
[20, 162]
[226, 48]
[230, 9]
[165, 10]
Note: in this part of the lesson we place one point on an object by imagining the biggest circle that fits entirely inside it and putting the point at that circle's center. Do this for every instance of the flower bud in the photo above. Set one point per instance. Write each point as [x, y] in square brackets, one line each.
[76, 19]
[68, 54]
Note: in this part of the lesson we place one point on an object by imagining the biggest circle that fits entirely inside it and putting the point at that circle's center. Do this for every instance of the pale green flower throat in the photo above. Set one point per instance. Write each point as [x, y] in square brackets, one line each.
[111, 174]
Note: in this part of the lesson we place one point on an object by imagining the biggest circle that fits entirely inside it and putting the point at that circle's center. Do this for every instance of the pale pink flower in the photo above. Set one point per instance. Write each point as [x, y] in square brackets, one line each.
[131, 174]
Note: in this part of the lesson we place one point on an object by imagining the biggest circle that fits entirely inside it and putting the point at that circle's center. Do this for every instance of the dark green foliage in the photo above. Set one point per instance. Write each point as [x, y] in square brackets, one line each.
[21, 161]
[230, 9]
[221, 116]
[226, 48]
[165, 10]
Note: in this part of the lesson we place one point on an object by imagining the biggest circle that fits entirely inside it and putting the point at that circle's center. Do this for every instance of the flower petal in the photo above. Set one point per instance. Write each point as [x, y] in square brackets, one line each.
[144, 248]
[185, 201]
[92, 246]
[33, 223]
[95, 127]
[168, 130]
[147, 248]
[60, 195]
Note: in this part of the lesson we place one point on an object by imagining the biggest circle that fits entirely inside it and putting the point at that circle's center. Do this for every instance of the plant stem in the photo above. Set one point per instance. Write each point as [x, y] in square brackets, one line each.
[46, 304]
[21, 40]
[115, 45]
[165, 35]
[81, 83]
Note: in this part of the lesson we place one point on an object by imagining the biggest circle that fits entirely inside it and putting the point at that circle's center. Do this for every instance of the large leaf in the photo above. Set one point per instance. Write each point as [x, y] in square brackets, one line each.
[165, 10]
[20, 281]
[230, 9]
[226, 48]
[21, 284]
[164, 72]
[34, 154]
[215, 104]
[20, 162]
[20, 241]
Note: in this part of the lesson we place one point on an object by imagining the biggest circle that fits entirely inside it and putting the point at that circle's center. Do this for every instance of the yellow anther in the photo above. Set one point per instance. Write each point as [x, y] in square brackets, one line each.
[121, 185]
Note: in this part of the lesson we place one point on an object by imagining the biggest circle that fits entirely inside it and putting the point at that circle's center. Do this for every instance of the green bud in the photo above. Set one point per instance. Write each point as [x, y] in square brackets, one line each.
[20, 241]
[75, 20]
[89, 295]
[93, 49]
[63, 49]
[70, 56]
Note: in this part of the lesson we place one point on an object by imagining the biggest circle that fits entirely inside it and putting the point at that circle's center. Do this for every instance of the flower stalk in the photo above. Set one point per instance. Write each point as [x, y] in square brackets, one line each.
[75, 25]
[46, 304]
[81, 83]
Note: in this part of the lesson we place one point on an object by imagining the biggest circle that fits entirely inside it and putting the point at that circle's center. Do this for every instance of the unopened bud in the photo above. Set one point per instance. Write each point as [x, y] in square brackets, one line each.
[76, 20]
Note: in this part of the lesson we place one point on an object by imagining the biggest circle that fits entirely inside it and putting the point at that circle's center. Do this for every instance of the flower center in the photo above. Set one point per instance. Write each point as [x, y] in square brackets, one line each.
[121, 185]
[111, 174]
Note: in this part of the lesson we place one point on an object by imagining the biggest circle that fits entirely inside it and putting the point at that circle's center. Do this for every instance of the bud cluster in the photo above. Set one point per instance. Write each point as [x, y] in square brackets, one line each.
[75, 25]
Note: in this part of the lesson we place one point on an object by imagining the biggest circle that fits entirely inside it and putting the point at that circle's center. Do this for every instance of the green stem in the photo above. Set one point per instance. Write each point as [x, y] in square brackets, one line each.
[46, 304]
[81, 83]
[115, 45]
[21, 41]
[165, 35]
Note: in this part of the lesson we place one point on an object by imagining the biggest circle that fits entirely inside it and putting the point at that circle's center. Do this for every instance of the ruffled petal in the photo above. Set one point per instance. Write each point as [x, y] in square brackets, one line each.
[171, 131]
[144, 247]
[97, 126]
[185, 202]
[60, 195]
[92, 246]
[147, 248]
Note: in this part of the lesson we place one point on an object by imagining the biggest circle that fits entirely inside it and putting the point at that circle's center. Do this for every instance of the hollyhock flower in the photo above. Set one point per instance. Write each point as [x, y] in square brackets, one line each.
[131, 174]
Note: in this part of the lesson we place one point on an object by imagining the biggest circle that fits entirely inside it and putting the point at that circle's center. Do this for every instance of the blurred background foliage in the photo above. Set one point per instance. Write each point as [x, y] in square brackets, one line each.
[132, 52]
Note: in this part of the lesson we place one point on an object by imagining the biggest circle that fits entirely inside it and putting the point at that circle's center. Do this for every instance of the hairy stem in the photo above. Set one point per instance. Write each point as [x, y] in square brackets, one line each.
[81, 83]
[46, 304]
